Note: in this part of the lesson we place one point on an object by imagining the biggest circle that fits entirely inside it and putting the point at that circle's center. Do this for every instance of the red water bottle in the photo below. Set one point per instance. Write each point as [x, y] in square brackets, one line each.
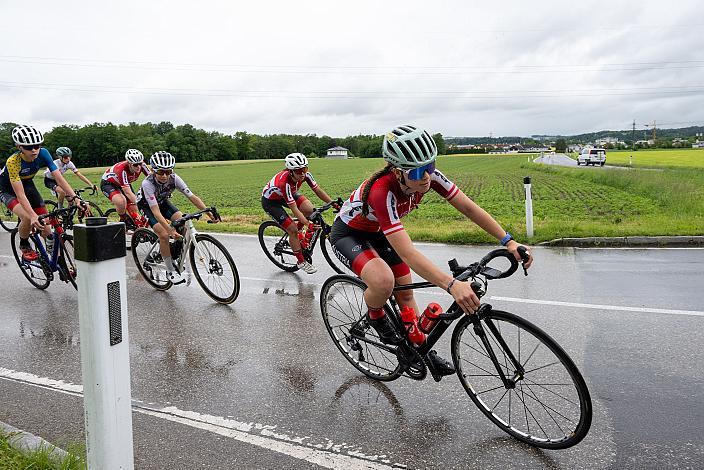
[410, 321]
[302, 240]
[429, 317]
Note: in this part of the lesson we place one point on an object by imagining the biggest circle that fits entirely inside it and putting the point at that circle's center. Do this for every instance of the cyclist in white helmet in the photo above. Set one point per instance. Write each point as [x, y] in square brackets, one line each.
[64, 163]
[153, 201]
[369, 238]
[282, 191]
[116, 185]
[17, 189]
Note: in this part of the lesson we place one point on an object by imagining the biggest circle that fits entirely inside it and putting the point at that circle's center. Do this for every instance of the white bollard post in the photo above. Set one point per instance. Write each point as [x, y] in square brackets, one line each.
[529, 207]
[105, 361]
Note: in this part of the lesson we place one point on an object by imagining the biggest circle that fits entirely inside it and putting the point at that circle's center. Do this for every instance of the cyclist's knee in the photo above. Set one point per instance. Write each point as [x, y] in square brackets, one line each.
[292, 230]
[378, 276]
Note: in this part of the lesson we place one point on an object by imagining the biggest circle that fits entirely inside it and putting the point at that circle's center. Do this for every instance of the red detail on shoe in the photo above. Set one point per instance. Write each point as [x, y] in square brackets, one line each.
[29, 254]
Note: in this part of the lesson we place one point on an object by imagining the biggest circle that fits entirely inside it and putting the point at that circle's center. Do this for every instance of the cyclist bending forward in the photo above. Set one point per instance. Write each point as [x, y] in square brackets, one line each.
[153, 200]
[63, 163]
[282, 191]
[116, 185]
[369, 238]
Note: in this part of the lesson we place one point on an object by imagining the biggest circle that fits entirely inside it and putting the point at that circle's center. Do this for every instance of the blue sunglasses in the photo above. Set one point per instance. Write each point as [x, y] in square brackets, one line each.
[417, 173]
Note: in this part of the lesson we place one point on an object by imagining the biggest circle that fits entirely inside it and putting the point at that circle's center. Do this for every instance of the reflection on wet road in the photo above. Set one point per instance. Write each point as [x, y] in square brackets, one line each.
[259, 383]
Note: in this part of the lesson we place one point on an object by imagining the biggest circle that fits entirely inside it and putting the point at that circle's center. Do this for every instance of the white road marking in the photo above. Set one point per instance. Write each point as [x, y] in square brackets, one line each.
[694, 313]
[322, 452]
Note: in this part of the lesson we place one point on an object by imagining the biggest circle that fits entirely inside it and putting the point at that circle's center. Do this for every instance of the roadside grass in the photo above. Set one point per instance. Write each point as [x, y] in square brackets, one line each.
[566, 202]
[661, 158]
[40, 459]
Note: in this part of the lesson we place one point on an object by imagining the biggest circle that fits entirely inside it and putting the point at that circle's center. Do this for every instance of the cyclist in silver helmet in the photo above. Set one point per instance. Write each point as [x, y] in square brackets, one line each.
[63, 162]
[370, 239]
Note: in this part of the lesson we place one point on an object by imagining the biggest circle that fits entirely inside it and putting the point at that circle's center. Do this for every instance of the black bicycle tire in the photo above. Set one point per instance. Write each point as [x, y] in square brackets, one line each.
[323, 310]
[109, 213]
[330, 256]
[236, 289]
[7, 227]
[66, 257]
[95, 210]
[15, 243]
[585, 404]
[136, 237]
[266, 224]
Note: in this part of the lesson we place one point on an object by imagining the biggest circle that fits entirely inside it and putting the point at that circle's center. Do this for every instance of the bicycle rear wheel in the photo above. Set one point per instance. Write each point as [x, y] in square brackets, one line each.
[37, 272]
[112, 215]
[214, 269]
[8, 220]
[343, 308]
[67, 262]
[548, 404]
[274, 241]
[145, 251]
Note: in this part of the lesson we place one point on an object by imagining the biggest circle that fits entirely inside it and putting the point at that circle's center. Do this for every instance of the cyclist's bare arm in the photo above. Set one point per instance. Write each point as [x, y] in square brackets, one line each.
[83, 178]
[320, 192]
[61, 181]
[298, 214]
[198, 202]
[482, 218]
[131, 198]
[461, 291]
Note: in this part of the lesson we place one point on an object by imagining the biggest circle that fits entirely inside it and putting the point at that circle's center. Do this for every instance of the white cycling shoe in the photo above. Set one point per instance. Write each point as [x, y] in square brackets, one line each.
[175, 277]
[307, 267]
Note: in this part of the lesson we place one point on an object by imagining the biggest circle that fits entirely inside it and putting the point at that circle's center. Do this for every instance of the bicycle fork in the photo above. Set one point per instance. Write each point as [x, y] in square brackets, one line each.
[519, 371]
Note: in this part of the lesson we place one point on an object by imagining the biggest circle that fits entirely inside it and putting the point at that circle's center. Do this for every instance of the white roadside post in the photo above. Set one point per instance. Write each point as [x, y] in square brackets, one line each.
[529, 207]
[105, 361]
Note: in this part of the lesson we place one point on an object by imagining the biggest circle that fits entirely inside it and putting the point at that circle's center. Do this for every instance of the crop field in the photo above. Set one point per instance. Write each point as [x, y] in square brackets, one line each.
[668, 158]
[566, 202]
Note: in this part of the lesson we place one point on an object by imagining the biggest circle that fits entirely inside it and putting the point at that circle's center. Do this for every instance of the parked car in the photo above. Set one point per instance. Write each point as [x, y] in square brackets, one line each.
[592, 156]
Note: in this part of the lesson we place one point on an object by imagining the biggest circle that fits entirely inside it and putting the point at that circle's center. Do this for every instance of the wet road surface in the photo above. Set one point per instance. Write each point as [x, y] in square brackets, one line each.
[259, 383]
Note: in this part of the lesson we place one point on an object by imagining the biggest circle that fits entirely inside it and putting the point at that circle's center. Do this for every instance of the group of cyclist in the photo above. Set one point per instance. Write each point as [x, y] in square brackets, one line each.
[367, 235]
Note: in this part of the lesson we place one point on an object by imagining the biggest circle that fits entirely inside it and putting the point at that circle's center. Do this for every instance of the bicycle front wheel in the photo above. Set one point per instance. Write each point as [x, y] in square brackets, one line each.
[214, 269]
[94, 210]
[343, 308]
[274, 241]
[67, 263]
[37, 272]
[546, 402]
[145, 251]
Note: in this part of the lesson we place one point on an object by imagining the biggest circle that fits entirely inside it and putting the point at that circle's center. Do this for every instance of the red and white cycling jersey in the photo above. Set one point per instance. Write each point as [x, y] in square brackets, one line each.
[119, 175]
[283, 187]
[388, 203]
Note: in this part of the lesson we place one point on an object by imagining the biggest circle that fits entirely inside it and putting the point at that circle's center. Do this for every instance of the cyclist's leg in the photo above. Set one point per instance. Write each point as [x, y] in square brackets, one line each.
[60, 195]
[304, 204]
[116, 197]
[276, 211]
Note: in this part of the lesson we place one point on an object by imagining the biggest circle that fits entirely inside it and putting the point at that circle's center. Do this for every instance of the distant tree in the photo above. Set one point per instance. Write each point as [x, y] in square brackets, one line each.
[561, 145]
[440, 142]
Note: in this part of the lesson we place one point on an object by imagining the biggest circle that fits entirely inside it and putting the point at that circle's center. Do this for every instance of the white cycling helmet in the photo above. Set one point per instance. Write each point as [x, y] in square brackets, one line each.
[27, 135]
[408, 147]
[294, 161]
[134, 156]
[162, 161]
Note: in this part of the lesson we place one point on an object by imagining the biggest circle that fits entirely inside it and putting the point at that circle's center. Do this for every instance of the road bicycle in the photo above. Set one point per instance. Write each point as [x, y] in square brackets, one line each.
[274, 240]
[61, 260]
[513, 371]
[8, 220]
[211, 263]
[81, 214]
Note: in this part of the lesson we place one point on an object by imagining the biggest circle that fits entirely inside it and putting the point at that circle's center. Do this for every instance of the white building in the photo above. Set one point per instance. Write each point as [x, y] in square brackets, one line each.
[698, 144]
[337, 152]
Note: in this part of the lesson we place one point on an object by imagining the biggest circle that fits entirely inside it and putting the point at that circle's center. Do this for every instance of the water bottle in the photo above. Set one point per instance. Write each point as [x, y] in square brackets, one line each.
[410, 321]
[429, 317]
[302, 240]
[49, 244]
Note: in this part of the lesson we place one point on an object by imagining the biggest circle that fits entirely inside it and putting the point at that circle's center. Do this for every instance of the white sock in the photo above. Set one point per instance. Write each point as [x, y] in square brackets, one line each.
[169, 263]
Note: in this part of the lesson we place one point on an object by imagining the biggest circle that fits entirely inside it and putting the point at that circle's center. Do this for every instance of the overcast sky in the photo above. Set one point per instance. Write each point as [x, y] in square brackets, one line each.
[339, 68]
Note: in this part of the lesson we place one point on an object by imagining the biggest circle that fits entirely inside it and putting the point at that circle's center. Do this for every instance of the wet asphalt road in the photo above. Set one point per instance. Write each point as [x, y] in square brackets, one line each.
[267, 361]
[560, 159]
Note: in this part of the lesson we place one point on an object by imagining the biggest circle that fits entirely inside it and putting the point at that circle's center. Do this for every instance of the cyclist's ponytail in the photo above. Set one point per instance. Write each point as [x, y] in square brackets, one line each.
[370, 182]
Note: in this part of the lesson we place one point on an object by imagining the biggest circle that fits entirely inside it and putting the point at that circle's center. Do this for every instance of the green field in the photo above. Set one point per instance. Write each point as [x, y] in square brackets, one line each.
[665, 158]
[567, 202]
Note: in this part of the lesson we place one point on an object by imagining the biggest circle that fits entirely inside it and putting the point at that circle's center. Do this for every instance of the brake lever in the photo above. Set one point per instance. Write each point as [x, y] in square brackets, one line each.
[525, 256]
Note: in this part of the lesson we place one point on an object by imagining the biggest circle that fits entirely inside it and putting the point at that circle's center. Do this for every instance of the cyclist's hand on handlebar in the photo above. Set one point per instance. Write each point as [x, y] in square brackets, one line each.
[465, 297]
[513, 248]
[173, 233]
[35, 222]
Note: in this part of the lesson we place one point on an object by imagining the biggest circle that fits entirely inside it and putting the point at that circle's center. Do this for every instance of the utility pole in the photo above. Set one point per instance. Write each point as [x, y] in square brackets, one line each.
[633, 137]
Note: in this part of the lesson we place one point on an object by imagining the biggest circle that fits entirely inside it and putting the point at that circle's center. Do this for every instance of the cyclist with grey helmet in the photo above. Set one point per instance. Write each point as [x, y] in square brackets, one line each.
[282, 191]
[369, 238]
[64, 163]
[17, 189]
[153, 200]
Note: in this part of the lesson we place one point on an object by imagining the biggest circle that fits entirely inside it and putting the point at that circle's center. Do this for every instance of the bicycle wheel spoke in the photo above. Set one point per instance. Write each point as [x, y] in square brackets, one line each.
[543, 386]
[548, 409]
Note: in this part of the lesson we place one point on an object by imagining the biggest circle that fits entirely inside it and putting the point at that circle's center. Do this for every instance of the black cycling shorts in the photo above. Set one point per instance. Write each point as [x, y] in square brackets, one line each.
[9, 198]
[50, 183]
[355, 248]
[277, 211]
[166, 207]
[110, 189]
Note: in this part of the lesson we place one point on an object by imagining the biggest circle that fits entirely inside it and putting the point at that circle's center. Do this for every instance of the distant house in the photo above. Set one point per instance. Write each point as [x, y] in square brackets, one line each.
[698, 144]
[337, 153]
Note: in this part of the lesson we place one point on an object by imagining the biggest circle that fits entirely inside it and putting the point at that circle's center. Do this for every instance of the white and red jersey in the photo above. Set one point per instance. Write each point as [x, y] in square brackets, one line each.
[282, 186]
[119, 175]
[388, 203]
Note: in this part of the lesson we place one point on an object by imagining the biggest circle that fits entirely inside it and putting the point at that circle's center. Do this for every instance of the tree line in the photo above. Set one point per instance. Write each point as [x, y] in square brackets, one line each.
[102, 144]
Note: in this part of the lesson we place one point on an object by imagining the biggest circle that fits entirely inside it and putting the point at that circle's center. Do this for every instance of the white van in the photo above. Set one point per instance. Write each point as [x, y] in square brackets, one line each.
[592, 156]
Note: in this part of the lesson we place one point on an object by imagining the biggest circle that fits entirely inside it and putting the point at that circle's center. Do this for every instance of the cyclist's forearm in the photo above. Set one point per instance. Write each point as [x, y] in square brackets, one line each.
[198, 202]
[320, 192]
[478, 215]
[84, 179]
[129, 194]
[63, 184]
[298, 214]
